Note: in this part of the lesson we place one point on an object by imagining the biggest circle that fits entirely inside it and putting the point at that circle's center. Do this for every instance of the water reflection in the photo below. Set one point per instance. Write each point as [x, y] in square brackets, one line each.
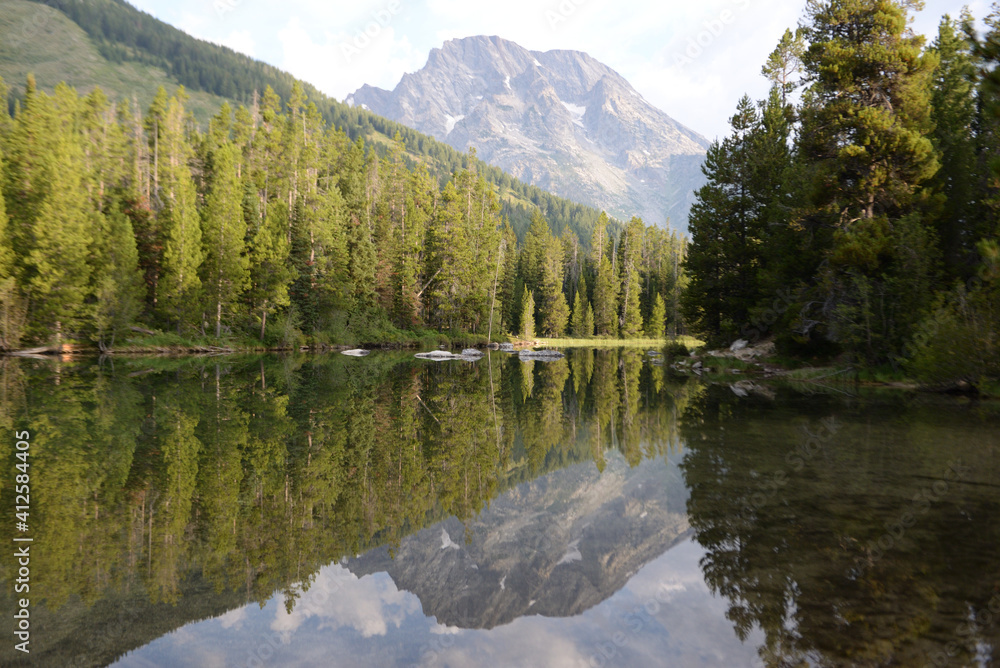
[580, 512]
[169, 490]
[850, 532]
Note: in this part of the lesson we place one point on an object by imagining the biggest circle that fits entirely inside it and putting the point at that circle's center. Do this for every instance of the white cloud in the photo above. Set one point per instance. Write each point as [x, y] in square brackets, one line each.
[338, 599]
[233, 618]
[341, 62]
[241, 41]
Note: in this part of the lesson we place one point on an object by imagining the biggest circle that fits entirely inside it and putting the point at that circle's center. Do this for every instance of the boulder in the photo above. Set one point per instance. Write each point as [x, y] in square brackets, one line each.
[356, 353]
[437, 356]
[738, 345]
[469, 355]
[540, 355]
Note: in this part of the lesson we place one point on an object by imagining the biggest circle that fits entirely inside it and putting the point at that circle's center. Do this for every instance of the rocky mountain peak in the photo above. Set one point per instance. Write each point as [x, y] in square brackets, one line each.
[559, 119]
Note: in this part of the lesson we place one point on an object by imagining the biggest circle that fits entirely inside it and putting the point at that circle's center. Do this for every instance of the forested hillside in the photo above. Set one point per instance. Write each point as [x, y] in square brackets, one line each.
[274, 224]
[860, 219]
[131, 42]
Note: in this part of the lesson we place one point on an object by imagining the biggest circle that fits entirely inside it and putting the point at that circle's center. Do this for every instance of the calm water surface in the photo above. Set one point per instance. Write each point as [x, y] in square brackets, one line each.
[594, 511]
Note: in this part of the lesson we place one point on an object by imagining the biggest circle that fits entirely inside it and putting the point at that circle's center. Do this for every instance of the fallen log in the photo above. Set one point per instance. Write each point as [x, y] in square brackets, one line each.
[43, 350]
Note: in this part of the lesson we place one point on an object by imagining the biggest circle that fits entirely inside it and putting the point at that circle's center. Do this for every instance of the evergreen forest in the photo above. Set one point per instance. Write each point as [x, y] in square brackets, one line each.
[272, 225]
[854, 214]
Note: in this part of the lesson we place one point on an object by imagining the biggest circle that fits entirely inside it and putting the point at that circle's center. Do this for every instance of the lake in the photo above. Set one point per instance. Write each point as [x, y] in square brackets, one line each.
[598, 510]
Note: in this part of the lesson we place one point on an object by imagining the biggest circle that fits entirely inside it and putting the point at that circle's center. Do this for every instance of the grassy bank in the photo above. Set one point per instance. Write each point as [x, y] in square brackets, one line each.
[651, 344]
[175, 344]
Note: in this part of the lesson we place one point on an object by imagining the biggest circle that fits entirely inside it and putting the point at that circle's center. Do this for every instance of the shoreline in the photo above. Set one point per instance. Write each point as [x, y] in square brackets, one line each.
[708, 365]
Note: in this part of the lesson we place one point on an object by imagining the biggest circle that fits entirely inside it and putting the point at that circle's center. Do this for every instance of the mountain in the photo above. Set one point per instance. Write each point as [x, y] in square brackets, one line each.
[560, 120]
[129, 54]
[555, 546]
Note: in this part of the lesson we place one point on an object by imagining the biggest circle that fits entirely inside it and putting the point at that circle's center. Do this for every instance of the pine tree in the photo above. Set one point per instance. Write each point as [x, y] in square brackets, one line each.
[654, 328]
[226, 268]
[953, 112]
[588, 321]
[785, 62]
[330, 276]
[445, 242]
[363, 265]
[726, 226]
[118, 285]
[53, 224]
[553, 310]
[581, 305]
[6, 123]
[870, 149]
[528, 317]
[509, 282]
[182, 254]
[536, 247]
[155, 118]
[270, 274]
[6, 247]
[11, 303]
[864, 136]
[630, 318]
[605, 301]
[987, 53]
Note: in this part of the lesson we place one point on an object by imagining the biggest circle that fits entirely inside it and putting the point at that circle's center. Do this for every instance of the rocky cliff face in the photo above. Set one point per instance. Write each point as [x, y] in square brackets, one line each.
[558, 119]
[554, 547]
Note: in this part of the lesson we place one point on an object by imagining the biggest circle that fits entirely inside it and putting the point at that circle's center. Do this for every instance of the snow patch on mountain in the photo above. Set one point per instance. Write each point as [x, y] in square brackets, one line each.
[450, 121]
[576, 111]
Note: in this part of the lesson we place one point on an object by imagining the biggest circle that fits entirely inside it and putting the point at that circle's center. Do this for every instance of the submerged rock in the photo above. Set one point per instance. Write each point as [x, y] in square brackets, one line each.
[356, 353]
[540, 355]
[469, 355]
[506, 347]
[437, 356]
[745, 388]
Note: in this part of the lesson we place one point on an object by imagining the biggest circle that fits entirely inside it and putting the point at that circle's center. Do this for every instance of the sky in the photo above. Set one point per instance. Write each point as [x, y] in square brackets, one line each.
[665, 610]
[692, 59]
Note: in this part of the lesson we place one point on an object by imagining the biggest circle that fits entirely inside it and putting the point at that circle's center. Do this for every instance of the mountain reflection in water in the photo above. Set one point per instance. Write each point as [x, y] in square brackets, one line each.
[588, 511]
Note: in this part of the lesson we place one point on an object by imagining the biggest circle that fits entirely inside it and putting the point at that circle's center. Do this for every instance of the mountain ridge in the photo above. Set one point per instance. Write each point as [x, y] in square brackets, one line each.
[559, 119]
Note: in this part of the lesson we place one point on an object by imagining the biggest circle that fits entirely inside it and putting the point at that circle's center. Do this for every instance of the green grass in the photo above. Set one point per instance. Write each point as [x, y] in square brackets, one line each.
[374, 335]
[599, 342]
[730, 363]
[40, 40]
[176, 343]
